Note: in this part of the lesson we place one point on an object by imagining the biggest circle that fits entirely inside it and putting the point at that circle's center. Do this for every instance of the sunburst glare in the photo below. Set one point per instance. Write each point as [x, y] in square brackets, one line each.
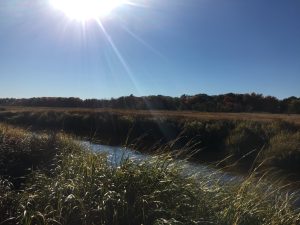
[95, 10]
[83, 10]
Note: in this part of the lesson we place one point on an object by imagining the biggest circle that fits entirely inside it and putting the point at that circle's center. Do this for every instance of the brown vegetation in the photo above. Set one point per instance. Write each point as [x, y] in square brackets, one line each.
[260, 117]
[78, 186]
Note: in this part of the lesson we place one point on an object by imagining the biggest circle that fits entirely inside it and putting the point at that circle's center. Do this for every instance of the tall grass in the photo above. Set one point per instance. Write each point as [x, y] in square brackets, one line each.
[81, 187]
[22, 151]
[283, 154]
[247, 142]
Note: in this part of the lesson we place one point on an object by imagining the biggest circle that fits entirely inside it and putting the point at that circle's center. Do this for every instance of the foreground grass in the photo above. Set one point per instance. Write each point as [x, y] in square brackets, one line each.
[77, 186]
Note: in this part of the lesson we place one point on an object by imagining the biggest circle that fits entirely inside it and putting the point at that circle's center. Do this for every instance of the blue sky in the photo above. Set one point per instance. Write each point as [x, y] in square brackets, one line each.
[169, 47]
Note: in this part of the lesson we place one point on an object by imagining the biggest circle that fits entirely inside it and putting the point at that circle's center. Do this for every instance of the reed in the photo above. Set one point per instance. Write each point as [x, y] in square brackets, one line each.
[81, 187]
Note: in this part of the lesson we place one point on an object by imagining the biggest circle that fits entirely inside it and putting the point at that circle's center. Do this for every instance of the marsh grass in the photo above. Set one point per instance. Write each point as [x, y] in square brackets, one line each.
[22, 151]
[244, 143]
[283, 154]
[78, 186]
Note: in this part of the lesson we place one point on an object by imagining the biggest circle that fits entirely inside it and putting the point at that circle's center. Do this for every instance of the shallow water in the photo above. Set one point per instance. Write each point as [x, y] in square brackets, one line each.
[115, 155]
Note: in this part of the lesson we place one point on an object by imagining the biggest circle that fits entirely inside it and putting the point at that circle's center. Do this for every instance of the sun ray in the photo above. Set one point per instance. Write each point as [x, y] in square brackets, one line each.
[118, 54]
[134, 3]
[83, 10]
[140, 40]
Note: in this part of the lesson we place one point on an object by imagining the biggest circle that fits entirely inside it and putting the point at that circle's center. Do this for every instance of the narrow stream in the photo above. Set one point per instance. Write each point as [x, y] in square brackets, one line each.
[115, 156]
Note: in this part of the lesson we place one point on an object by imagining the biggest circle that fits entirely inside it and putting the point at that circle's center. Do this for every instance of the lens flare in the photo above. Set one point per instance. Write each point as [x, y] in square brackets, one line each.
[84, 10]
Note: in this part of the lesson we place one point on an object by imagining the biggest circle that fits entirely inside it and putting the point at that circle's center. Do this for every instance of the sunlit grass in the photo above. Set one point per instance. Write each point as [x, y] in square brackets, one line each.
[81, 187]
[247, 142]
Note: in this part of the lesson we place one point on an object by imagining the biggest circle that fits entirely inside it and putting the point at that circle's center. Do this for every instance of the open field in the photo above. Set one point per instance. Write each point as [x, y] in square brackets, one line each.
[266, 117]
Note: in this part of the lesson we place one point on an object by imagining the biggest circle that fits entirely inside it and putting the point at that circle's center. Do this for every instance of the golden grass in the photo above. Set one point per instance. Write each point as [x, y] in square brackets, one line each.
[83, 188]
[260, 117]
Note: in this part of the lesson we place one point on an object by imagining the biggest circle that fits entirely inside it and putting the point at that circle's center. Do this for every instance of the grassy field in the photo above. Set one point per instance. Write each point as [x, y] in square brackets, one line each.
[260, 117]
[47, 178]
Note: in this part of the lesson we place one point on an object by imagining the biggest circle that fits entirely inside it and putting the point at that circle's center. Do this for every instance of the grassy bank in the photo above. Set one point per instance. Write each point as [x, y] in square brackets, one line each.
[246, 144]
[66, 184]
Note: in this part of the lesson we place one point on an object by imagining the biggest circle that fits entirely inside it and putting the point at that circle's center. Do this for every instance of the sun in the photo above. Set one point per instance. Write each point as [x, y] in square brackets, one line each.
[83, 10]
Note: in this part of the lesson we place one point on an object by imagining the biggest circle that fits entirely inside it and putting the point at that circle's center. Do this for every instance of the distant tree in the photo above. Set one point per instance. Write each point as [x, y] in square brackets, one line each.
[271, 104]
[294, 106]
[201, 102]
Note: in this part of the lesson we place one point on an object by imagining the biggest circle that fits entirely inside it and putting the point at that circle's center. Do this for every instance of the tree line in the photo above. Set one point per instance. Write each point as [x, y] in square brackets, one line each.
[201, 102]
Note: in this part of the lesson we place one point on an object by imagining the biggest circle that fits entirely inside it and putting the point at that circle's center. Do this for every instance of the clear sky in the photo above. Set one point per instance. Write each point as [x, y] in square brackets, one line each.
[168, 47]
